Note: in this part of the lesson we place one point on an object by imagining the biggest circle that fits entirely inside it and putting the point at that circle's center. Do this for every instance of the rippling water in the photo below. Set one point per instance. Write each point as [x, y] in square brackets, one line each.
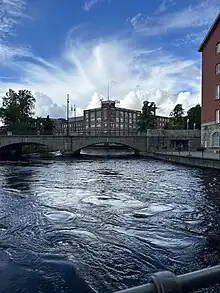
[104, 225]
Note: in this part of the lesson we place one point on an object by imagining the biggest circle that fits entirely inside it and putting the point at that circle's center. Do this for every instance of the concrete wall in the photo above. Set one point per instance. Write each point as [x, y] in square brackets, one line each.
[190, 161]
[158, 138]
[174, 133]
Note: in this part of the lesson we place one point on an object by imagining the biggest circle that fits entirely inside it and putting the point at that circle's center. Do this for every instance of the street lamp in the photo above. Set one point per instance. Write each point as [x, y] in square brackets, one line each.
[67, 113]
[187, 124]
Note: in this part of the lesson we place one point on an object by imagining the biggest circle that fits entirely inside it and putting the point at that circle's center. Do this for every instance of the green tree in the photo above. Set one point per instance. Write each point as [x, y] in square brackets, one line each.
[17, 110]
[148, 116]
[48, 125]
[177, 119]
[194, 116]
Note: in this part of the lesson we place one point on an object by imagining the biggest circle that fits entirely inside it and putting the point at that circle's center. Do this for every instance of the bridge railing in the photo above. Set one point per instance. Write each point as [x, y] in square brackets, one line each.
[72, 134]
[167, 282]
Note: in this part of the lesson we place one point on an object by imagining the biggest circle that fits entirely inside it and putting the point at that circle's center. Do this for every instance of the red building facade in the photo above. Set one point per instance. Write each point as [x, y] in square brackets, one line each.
[210, 49]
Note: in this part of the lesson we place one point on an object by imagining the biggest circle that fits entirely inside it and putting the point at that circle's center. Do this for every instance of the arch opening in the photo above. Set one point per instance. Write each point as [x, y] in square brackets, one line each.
[110, 149]
[215, 139]
[22, 150]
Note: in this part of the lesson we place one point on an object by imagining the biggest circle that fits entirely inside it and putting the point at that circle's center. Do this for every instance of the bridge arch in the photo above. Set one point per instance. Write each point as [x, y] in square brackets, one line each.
[50, 142]
[16, 149]
[91, 144]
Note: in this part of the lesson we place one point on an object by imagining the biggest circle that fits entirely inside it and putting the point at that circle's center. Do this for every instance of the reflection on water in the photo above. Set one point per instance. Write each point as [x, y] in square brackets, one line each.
[101, 226]
[17, 179]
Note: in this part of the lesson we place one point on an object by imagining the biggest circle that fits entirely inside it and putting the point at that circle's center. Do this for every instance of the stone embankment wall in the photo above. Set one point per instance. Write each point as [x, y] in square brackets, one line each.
[187, 160]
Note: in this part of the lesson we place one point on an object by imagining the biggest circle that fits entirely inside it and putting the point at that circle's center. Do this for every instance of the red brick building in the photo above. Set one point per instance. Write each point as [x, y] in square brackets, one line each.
[210, 49]
[107, 119]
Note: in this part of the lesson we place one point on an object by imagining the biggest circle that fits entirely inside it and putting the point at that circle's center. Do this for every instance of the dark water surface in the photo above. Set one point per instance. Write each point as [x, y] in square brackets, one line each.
[104, 225]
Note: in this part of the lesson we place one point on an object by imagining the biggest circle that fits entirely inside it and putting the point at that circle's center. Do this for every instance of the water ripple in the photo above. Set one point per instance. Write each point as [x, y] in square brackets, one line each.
[101, 226]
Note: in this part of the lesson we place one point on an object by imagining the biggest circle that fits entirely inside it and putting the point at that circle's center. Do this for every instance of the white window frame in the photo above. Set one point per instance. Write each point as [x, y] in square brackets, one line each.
[217, 116]
[217, 68]
[217, 92]
[218, 48]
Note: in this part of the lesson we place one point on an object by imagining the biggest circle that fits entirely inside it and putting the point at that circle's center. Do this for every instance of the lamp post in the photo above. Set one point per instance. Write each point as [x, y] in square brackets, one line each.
[187, 124]
[67, 114]
[74, 109]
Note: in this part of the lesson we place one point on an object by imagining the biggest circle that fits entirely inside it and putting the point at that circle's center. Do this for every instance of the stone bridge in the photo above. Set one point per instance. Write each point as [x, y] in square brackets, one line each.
[73, 144]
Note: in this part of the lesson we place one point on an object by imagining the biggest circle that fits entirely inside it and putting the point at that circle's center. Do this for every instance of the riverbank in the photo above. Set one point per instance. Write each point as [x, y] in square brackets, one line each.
[195, 159]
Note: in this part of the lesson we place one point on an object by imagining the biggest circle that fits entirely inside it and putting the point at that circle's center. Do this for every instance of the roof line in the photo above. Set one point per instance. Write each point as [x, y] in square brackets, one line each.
[209, 32]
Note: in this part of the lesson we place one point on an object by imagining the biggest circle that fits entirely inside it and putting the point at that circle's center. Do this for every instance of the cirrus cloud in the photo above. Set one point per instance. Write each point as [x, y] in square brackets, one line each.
[85, 69]
[86, 66]
[189, 17]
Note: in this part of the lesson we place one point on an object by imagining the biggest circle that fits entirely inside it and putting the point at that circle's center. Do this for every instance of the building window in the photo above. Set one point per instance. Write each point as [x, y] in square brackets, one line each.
[105, 114]
[217, 91]
[217, 116]
[98, 114]
[218, 48]
[217, 68]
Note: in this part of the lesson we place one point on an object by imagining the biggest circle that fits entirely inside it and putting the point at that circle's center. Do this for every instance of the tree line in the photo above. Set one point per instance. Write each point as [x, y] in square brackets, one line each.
[17, 114]
[178, 118]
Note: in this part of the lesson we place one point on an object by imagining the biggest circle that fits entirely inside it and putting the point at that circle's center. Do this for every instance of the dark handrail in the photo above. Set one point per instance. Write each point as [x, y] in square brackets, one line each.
[167, 282]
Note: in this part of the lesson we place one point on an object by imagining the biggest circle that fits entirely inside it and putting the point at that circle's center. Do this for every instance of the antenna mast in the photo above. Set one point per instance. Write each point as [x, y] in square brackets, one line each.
[108, 92]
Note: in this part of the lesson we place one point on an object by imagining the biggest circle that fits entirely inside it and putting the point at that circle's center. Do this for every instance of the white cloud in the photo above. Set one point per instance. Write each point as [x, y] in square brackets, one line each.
[86, 67]
[45, 106]
[8, 53]
[11, 14]
[198, 15]
[194, 38]
[164, 5]
[88, 4]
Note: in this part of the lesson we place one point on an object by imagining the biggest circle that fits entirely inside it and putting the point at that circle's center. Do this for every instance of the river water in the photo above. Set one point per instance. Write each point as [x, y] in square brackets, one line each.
[104, 225]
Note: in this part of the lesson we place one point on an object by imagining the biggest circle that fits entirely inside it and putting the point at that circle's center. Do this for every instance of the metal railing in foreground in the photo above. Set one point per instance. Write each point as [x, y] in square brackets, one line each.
[167, 282]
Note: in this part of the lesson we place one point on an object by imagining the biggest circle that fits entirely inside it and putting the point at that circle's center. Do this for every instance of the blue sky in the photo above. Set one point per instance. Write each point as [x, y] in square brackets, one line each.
[146, 49]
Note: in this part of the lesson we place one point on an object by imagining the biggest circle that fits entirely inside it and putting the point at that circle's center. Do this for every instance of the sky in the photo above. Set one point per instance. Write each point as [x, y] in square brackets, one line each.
[144, 50]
